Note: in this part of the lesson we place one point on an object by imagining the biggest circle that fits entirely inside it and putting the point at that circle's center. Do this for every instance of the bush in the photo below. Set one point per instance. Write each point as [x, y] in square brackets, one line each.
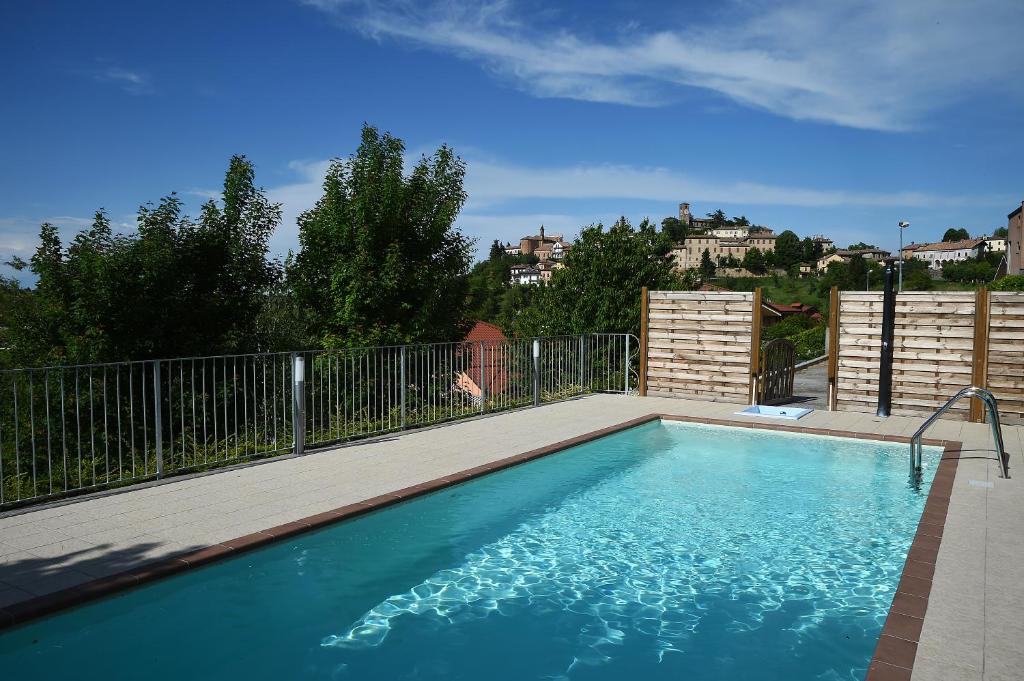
[1012, 282]
[810, 343]
[788, 327]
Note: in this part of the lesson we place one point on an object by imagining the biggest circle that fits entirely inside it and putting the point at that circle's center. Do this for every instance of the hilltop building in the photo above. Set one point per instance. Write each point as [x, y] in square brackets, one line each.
[687, 254]
[1014, 239]
[938, 253]
[845, 255]
[528, 245]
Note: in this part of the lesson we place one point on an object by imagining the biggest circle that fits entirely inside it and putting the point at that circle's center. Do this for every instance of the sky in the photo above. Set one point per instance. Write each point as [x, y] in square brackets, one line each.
[839, 118]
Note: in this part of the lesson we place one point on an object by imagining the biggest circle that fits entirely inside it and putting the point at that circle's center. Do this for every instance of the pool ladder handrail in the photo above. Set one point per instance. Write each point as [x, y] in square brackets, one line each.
[989, 400]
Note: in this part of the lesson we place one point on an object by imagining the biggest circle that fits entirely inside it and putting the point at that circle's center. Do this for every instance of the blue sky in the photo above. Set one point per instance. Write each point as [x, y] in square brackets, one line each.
[839, 118]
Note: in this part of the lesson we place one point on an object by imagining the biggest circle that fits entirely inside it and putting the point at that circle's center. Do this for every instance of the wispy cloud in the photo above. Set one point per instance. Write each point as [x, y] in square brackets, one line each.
[133, 82]
[872, 64]
[498, 190]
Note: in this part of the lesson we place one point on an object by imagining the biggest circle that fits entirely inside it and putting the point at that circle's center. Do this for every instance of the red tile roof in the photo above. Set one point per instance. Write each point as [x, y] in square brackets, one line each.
[485, 331]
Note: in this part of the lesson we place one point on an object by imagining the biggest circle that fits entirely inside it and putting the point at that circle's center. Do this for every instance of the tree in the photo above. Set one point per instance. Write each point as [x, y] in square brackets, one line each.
[1000, 233]
[380, 261]
[788, 251]
[718, 219]
[861, 246]
[675, 229]
[173, 288]
[497, 250]
[741, 221]
[707, 267]
[954, 234]
[753, 261]
[599, 289]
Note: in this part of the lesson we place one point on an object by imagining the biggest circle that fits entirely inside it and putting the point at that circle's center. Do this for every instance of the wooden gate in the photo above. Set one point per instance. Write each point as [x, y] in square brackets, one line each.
[778, 365]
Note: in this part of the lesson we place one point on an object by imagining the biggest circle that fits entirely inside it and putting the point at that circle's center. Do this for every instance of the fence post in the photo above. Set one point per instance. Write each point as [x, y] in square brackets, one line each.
[832, 344]
[298, 403]
[755, 345]
[536, 372]
[979, 363]
[888, 337]
[644, 314]
[158, 420]
[402, 390]
[583, 380]
[483, 379]
[625, 369]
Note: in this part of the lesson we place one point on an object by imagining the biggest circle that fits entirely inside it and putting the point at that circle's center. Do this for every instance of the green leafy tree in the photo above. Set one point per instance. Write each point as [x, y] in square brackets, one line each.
[380, 261]
[861, 246]
[753, 261]
[741, 221]
[173, 288]
[599, 289]
[1000, 233]
[718, 219]
[675, 229]
[788, 251]
[954, 234]
[707, 267]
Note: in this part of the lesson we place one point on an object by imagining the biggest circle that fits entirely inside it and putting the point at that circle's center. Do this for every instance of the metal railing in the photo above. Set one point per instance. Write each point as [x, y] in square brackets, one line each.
[993, 418]
[71, 429]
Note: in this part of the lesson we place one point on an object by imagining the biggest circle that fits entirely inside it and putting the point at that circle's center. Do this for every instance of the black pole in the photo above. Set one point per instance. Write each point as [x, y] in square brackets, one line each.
[888, 330]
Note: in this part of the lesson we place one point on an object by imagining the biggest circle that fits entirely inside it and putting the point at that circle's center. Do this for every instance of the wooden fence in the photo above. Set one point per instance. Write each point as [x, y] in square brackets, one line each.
[698, 344]
[943, 341]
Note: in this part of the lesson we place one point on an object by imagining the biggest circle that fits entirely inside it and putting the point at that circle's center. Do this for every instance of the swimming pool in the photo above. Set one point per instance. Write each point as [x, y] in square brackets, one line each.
[666, 551]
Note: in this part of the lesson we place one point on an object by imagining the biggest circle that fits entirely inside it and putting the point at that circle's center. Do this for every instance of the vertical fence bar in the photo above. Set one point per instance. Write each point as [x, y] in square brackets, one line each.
[536, 372]
[644, 321]
[401, 396]
[158, 419]
[298, 403]
[625, 368]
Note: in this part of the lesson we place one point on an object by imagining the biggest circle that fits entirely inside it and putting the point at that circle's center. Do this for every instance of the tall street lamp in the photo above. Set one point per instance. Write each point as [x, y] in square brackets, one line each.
[903, 226]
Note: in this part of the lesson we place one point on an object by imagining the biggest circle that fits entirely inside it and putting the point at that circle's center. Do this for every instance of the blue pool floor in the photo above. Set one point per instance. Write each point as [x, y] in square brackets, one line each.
[668, 551]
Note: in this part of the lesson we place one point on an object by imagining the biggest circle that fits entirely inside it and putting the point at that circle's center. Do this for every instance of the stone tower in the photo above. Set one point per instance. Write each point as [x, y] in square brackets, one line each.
[684, 214]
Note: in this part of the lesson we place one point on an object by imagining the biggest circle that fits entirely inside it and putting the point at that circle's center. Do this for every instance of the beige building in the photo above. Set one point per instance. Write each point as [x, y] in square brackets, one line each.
[687, 255]
[949, 251]
[845, 255]
[1014, 238]
[529, 244]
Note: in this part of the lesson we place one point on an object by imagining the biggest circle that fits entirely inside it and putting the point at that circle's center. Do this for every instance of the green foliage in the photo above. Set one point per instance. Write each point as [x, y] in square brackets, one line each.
[969, 271]
[718, 219]
[788, 327]
[599, 290]
[675, 229]
[176, 287]
[1012, 282]
[809, 343]
[489, 281]
[1001, 233]
[954, 234]
[707, 267]
[860, 246]
[754, 261]
[788, 250]
[380, 261]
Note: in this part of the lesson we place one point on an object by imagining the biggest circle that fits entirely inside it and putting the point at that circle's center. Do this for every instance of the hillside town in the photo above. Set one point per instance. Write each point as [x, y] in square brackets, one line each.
[722, 247]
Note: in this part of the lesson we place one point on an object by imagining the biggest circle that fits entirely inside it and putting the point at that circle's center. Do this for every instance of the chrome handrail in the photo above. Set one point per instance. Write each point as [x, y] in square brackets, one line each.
[989, 400]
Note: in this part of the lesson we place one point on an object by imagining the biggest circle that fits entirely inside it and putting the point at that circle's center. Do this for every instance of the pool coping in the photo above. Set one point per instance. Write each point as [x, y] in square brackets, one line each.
[894, 654]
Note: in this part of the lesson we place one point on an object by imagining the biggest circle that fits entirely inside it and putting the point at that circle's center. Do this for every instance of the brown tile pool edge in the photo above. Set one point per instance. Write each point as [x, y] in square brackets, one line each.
[894, 633]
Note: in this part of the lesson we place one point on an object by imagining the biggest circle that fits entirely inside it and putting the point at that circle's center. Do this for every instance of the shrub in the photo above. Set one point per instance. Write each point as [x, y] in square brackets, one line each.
[1012, 282]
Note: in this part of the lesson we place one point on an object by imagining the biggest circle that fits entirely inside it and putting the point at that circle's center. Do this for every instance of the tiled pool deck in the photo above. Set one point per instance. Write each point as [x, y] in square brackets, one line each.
[973, 620]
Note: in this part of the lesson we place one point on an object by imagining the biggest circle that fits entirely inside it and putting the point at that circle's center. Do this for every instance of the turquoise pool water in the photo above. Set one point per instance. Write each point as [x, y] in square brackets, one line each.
[668, 551]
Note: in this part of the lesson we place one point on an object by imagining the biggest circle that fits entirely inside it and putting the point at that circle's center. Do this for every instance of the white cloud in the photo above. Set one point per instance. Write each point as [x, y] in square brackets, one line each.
[133, 82]
[497, 191]
[873, 64]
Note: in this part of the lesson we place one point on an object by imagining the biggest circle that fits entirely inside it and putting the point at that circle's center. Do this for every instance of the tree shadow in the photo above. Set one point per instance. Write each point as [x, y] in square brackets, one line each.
[36, 576]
